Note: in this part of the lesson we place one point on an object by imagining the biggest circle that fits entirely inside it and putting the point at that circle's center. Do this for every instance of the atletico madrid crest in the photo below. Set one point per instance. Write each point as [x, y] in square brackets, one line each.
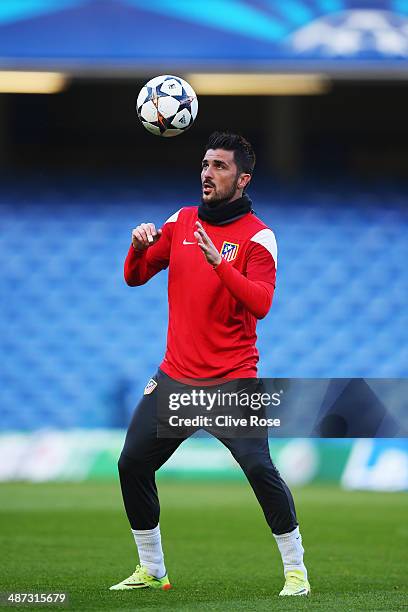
[229, 251]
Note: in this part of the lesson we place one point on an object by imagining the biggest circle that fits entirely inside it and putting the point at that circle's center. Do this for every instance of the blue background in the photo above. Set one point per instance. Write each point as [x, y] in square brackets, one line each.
[217, 33]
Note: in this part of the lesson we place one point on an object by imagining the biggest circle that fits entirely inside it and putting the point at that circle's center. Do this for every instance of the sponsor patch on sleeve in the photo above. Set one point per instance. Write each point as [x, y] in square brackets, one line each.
[150, 387]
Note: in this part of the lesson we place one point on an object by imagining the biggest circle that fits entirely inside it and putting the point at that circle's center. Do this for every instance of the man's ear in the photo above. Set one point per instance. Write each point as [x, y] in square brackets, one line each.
[243, 180]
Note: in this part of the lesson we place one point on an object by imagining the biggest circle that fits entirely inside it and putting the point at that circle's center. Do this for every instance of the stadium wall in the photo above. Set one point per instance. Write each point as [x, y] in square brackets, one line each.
[77, 455]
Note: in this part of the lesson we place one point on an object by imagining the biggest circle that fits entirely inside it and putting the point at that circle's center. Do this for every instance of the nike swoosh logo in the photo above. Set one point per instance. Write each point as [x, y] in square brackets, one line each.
[186, 242]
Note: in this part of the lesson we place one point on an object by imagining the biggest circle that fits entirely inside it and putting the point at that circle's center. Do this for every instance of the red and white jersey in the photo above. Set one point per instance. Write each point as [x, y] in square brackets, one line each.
[212, 312]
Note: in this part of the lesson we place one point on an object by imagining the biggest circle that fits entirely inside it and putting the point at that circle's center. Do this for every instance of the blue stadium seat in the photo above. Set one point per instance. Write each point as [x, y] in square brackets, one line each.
[77, 345]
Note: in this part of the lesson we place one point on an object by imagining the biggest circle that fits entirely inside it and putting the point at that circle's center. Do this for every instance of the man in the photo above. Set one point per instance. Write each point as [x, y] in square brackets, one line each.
[222, 269]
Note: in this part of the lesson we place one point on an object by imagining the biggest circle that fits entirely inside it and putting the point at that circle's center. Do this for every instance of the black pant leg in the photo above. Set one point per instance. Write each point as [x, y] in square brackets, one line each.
[272, 492]
[142, 455]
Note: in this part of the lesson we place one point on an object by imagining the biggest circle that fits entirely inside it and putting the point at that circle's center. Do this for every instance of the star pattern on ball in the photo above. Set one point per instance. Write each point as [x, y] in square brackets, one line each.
[167, 106]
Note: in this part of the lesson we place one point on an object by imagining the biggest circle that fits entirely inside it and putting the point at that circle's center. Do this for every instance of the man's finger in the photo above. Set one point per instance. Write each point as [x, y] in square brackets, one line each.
[199, 238]
[137, 239]
[136, 235]
[153, 232]
[148, 231]
[202, 230]
[200, 227]
[142, 232]
[141, 237]
[204, 236]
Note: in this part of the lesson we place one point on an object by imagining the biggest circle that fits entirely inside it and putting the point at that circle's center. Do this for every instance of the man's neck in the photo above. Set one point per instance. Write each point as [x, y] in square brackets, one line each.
[237, 196]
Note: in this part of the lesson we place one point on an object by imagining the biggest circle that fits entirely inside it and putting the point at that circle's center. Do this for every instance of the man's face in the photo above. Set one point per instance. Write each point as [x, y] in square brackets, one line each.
[220, 178]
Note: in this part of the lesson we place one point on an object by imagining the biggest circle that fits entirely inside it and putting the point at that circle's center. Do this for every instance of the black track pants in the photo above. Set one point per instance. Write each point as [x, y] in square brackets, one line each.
[144, 453]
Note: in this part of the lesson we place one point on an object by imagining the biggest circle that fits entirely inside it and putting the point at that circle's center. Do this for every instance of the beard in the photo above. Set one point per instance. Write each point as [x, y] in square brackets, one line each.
[218, 199]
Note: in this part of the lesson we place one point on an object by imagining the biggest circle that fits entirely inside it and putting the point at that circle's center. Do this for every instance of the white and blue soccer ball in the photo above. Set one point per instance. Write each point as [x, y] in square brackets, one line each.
[167, 105]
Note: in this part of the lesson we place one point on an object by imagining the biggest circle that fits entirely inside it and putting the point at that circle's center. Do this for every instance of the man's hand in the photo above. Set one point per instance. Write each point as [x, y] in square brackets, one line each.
[144, 235]
[207, 246]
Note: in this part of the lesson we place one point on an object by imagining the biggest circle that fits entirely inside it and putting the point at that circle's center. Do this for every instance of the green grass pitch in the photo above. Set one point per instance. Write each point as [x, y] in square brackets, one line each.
[219, 551]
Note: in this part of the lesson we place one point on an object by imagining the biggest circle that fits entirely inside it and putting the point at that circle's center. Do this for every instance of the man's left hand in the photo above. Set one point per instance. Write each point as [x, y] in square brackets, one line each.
[207, 246]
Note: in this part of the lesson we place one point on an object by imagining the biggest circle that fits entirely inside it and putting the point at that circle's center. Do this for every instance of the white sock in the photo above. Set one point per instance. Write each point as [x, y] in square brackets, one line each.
[291, 550]
[148, 542]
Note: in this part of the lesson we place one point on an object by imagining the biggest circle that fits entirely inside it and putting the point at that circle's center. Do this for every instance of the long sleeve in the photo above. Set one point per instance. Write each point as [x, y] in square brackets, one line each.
[140, 266]
[255, 289]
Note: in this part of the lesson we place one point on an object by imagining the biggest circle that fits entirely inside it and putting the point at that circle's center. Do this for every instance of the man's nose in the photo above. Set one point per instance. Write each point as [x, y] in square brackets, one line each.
[207, 173]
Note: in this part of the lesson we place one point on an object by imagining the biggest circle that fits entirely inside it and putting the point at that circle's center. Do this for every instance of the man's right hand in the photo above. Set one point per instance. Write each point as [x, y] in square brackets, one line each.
[144, 236]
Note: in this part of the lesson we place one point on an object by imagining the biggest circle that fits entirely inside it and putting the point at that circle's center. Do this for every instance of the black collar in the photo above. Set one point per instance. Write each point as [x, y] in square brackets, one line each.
[225, 212]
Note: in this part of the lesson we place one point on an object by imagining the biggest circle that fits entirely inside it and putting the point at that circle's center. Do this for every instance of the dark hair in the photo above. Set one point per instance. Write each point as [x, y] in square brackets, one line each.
[244, 155]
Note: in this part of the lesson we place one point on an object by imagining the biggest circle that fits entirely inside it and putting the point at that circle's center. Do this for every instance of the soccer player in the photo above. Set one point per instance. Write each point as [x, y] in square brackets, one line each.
[222, 268]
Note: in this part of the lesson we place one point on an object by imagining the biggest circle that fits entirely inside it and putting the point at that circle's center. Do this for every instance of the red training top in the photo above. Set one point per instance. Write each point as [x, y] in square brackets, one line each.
[212, 312]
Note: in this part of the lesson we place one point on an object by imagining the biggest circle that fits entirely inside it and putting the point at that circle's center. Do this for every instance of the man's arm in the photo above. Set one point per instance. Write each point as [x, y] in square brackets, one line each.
[149, 252]
[255, 290]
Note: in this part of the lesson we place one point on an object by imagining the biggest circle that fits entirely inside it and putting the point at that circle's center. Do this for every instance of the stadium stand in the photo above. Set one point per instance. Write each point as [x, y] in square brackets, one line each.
[78, 345]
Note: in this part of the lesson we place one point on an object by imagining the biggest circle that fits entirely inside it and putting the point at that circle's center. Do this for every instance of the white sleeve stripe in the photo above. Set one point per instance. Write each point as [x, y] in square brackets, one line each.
[266, 238]
[173, 218]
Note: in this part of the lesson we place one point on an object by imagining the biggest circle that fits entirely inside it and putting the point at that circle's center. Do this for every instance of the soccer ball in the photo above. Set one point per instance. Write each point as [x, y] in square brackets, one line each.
[167, 105]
